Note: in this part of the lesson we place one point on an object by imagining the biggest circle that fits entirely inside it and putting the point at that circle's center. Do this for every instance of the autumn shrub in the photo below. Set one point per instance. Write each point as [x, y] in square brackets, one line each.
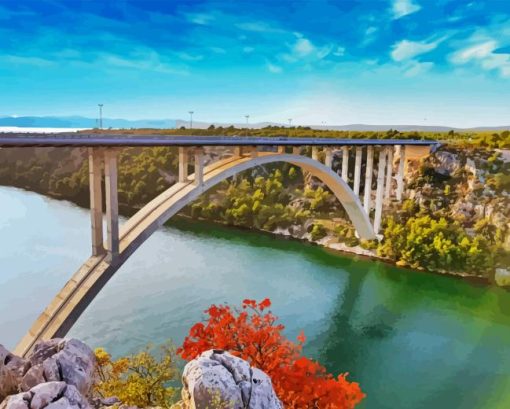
[254, 334]
[138, 380]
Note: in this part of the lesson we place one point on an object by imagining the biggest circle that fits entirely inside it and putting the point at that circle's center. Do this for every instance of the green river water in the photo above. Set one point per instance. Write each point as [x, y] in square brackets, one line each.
[412, 340]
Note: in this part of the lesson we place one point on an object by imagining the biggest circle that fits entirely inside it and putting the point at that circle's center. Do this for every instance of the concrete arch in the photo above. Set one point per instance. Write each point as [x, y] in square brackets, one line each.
[80, 290]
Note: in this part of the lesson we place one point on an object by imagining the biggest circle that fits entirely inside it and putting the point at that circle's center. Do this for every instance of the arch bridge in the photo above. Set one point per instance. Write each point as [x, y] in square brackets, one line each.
[111, 250]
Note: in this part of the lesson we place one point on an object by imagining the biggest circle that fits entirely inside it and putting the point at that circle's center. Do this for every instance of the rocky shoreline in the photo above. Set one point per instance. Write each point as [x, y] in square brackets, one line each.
[61, 374]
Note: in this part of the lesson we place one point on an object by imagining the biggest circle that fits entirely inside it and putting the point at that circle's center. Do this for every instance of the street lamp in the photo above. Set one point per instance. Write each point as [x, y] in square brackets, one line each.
[100, 115]
[191, 119]
[247, 118]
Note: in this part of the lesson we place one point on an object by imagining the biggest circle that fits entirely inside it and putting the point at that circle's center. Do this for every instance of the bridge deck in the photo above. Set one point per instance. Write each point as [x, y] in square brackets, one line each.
[102, 140]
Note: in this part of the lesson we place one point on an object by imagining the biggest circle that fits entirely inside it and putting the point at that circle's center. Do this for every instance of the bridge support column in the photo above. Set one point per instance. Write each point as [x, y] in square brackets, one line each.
[380, 191]
[183, 164]
[367, 198]
[329, 158]
[238, 151]
[199, 166]
[254, 152]
[389, 172]
[315, 153]
[96, 200]
[112, 204]
[345, 163]
[296, 150]
[400, 174]
[281, 149]
[357, 170]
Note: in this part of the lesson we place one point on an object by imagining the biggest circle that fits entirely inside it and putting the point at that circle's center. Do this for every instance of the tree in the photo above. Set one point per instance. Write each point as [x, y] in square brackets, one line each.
[140, 380]
[254, 335]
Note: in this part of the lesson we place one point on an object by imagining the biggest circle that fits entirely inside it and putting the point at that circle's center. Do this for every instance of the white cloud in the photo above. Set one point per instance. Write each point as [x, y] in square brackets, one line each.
[200, 19]
[141, 60]
[218, 50]
[275, 69]
[417, 68]
[303, 50]
[484, 54]
[303, 47]
[26, 60]
[406, 50]
[339, 52]
[478, 51]
[403, 8]
[190, 57]
[248, 49]
[258, 27]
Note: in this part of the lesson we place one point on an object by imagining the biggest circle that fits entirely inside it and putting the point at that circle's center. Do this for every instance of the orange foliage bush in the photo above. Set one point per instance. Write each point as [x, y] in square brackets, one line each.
[254, 335]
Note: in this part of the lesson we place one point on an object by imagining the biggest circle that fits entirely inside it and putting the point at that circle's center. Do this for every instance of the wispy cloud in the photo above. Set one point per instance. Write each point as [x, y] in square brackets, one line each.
[304, 50]
[201, 19]
[303, 47]
[415, 68]
[259, 27]
[486, 55]
[406, 50]
[142, 60]
[26, 60]
[403, 8]
[275, 69]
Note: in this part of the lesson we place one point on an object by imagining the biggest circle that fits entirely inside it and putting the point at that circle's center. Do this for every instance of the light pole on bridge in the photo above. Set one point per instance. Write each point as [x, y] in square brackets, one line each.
[191, 119]
[247, 118]
[100, 115]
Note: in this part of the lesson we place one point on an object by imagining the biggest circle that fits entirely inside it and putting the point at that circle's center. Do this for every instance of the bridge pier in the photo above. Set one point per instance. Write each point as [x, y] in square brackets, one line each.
[315, 153]
[345, 163]
[389, 172]
[183, 164]
[328, 161]
[357, 170]
[199, 166]
[380, 190]
[400, 174]
[96, 200]
[367, 198]
[112, 204]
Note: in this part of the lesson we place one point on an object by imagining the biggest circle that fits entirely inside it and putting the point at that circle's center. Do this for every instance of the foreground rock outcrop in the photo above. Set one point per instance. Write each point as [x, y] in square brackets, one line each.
[58, 374]
[219, 378]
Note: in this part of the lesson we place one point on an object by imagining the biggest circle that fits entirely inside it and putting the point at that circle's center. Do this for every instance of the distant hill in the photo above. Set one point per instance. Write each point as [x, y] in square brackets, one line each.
[83, 122]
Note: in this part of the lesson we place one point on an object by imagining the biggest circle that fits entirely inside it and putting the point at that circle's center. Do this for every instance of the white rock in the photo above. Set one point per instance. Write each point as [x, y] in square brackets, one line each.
[218, 374]
[77, 364]
[19, 401]
[502, 277]
[45, 393]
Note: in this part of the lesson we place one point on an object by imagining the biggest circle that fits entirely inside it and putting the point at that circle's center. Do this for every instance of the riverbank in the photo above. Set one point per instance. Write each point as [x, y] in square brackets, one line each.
[328, 242]
[340, 249]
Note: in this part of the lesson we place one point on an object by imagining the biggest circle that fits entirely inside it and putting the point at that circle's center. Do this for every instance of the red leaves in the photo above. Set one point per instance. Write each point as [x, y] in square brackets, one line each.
[301, 337]
[299, 382]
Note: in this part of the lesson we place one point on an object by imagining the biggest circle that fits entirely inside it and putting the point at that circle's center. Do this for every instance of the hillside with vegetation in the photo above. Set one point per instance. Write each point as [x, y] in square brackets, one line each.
[455, 219]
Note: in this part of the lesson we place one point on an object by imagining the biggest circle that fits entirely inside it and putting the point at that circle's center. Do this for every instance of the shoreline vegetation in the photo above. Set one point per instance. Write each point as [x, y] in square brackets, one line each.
[455, 219]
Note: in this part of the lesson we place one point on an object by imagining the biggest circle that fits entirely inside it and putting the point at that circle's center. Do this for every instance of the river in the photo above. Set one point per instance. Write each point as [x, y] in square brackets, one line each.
[412, 340]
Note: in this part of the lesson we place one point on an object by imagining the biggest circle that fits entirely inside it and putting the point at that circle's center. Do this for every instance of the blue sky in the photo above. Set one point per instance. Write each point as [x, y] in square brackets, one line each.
[443, 62]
